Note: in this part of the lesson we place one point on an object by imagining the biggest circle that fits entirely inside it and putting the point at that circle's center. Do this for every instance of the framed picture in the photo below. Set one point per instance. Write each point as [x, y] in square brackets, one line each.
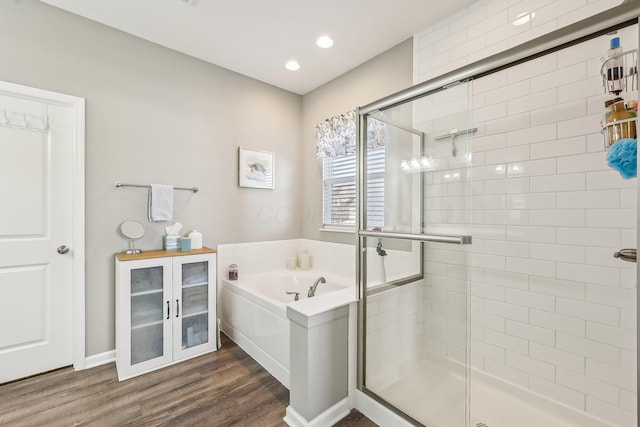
[256, 169]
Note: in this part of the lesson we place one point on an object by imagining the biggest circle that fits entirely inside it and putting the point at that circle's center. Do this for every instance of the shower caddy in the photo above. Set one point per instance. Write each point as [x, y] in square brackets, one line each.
[619, 129]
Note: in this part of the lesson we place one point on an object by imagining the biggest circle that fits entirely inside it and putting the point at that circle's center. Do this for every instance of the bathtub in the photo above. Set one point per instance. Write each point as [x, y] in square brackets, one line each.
[253, 311]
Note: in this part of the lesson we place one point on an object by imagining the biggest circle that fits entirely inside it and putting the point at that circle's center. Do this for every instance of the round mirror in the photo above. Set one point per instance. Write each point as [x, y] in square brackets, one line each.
[132, 231]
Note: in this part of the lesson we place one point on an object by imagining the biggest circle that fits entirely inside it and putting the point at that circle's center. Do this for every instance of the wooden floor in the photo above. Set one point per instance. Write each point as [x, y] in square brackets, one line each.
[224, 388]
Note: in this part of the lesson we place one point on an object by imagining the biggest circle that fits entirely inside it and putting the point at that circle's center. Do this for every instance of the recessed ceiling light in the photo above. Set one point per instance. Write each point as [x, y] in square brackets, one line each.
[292, 65]
[523, 18]
[324, 42]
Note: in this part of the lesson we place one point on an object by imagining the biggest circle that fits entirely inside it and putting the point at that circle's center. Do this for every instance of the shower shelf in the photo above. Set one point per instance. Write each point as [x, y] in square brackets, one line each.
[629, 61]
[618, 130]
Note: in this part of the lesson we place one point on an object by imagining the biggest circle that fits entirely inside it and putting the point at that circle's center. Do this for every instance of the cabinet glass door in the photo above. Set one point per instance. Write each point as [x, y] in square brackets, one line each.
[195, 304]
[147, 311]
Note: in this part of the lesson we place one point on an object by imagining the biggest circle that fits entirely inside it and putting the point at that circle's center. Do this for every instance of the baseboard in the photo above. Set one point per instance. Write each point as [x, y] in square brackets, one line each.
[327, 418]
[100, 359]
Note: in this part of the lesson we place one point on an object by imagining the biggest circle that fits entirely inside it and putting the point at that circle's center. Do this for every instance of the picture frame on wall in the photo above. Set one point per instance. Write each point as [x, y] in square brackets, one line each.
[256, 168]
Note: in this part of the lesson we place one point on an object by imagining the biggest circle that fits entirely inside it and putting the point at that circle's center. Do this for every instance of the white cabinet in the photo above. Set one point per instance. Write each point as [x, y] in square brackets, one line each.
[165, 309]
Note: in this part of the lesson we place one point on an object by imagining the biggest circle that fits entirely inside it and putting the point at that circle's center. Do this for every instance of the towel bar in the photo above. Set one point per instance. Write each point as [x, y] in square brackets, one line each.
[120, 185]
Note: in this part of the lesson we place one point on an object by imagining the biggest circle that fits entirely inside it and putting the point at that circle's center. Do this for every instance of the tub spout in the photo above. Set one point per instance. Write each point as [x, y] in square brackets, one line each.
[312, 289]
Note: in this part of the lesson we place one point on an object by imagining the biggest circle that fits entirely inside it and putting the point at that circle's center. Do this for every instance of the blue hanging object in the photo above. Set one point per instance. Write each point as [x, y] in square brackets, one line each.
[622, 157]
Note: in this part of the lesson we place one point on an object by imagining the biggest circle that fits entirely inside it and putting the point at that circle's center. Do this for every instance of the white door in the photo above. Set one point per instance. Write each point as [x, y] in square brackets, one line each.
[36, 253]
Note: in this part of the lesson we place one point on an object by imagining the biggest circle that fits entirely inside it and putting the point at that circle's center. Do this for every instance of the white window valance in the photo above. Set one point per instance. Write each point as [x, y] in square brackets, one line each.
[336, 136]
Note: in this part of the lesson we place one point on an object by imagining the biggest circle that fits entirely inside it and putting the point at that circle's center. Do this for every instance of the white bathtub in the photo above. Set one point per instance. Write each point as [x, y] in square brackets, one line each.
[254, 311]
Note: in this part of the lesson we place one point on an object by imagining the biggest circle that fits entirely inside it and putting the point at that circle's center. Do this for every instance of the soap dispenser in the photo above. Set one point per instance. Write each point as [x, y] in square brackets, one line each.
[196, 239]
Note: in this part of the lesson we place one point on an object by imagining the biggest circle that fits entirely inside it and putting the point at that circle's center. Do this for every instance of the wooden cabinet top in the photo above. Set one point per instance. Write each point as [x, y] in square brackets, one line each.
[162, 254]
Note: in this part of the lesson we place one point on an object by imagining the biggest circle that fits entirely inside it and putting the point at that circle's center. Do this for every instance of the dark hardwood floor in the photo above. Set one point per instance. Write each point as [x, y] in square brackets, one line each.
[224, 388]
[355, 419]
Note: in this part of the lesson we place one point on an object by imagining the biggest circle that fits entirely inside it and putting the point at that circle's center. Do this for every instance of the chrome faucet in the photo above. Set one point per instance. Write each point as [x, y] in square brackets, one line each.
[312, 289]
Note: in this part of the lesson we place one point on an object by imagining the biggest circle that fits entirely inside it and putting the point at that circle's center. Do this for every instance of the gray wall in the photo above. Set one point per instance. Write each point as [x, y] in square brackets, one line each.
[156, 116]
[383, 75]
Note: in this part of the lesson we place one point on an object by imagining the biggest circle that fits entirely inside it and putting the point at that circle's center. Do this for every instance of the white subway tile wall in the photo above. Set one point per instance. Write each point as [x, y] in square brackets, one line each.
[391, 333]
[485, 28]
[550, 309]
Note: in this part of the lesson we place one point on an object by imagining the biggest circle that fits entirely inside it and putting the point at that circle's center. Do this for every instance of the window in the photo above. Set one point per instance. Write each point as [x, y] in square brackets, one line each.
[339, 193]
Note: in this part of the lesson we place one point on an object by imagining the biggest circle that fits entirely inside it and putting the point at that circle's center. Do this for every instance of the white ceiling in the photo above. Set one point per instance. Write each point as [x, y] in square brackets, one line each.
[257, 37]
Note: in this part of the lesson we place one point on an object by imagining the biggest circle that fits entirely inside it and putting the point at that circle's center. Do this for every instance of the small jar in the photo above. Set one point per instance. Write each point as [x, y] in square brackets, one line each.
[233, 272]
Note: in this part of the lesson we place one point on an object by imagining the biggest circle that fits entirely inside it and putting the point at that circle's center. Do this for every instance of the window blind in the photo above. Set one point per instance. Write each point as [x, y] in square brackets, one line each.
[339, 192]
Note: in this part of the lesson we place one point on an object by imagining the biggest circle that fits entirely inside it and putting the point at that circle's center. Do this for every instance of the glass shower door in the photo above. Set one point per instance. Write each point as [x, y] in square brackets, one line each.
[413, 353]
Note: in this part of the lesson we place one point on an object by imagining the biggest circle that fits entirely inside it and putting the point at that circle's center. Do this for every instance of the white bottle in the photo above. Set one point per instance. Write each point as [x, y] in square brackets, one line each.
[196, 239]
[615, 67]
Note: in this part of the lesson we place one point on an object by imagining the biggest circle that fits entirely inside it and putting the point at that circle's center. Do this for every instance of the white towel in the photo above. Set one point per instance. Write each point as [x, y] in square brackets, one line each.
[160, 202]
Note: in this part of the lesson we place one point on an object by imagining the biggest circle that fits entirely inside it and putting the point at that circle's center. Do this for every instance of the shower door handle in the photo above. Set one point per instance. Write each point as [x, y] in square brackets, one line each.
[629, 255]
[437, 238]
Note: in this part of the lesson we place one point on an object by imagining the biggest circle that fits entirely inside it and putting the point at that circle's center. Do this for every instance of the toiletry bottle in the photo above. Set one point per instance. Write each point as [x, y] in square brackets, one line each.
[632, 108]
[607, 112]
[233, 272]
[196, 239]
[615, 67]
[623, 130]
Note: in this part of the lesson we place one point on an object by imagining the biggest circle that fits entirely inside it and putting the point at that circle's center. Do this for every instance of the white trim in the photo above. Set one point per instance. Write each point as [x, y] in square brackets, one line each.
[327, 418]
[76, 104]
[100, 359]
[79, 313]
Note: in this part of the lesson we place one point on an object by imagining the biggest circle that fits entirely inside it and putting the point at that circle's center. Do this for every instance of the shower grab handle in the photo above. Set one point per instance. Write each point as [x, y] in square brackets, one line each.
[438, 238]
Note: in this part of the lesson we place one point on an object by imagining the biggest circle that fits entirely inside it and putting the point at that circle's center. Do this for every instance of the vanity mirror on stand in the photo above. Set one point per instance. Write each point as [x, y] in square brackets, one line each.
[132, 231]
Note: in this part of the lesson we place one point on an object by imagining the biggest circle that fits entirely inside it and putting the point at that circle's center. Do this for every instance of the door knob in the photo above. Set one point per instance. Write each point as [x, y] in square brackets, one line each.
[626, 255]
[63, 250]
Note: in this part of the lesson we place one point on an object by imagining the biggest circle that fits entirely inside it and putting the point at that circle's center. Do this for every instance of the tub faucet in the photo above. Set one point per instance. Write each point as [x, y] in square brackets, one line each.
[296, 295]
[312, 289]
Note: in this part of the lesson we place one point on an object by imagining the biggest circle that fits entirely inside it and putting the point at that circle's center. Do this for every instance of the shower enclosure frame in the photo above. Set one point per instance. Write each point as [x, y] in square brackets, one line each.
[380, 234]
[621, 16]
